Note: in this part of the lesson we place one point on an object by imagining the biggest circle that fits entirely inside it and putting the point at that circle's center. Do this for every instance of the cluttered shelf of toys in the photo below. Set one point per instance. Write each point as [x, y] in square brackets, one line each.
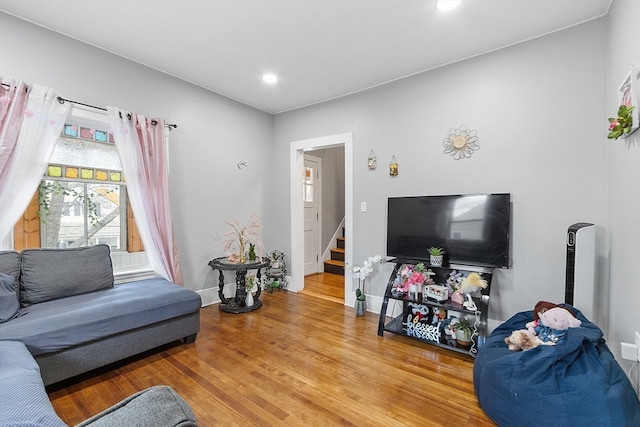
[444, 306]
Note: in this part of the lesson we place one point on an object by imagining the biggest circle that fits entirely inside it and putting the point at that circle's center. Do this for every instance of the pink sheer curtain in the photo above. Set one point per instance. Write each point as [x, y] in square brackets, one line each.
[13, 99]
[43, 119]
[142, 147]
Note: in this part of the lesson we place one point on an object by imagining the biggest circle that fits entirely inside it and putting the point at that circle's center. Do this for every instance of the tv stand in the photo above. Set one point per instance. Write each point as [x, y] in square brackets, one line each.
[427, 319]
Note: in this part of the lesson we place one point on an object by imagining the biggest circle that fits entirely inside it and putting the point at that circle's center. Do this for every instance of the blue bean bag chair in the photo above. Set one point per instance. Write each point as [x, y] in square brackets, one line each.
[575, 383]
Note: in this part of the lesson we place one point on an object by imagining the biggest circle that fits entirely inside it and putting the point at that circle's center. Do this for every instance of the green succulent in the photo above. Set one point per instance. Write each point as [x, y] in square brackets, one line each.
[465, 325]
[435, 251]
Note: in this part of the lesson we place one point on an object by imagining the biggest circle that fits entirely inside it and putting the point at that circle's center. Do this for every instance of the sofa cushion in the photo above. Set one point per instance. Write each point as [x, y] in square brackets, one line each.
[23, 399]
[64, 323]
[158, 406]
[49, 274]
[9, 304]
[10, 264]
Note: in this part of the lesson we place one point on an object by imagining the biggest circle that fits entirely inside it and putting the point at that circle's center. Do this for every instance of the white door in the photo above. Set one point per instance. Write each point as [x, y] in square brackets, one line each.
[310, 189]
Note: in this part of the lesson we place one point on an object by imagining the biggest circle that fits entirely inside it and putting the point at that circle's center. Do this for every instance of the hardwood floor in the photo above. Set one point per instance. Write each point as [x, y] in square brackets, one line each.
[297, 361]
[326, 286]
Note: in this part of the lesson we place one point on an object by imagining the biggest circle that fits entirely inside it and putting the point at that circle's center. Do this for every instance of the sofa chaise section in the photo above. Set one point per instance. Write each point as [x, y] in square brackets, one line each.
[74, 319]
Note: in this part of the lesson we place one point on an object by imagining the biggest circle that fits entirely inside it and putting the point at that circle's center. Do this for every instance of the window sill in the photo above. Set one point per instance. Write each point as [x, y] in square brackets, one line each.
[131, 275]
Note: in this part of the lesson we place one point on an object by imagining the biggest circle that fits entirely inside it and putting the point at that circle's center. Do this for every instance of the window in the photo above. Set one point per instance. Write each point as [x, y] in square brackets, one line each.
[82, 199]
[307, 184]
[76, 213]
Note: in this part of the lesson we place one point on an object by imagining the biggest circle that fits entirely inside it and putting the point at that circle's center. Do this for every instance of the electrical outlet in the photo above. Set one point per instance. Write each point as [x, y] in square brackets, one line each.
[638, 345]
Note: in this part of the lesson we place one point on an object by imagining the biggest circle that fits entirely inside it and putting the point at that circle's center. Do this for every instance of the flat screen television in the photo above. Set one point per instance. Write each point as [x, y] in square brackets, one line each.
[473, 229]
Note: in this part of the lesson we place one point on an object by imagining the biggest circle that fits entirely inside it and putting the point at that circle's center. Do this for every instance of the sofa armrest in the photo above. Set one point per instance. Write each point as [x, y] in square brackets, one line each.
[158, 406]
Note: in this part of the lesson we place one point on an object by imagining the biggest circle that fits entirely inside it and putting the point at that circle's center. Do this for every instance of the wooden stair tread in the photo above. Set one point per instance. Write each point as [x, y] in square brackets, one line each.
[335, 262]
[341, 250]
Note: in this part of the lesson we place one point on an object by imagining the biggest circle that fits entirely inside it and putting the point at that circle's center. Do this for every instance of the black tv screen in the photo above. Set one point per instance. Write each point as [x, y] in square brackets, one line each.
[472, 229]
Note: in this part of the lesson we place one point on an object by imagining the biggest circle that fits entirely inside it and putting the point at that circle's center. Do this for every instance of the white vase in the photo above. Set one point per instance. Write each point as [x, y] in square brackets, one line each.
[249, 300]
[413, 291]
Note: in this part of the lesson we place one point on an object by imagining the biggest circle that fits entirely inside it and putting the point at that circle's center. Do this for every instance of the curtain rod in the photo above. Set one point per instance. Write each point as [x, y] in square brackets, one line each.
[62, 100]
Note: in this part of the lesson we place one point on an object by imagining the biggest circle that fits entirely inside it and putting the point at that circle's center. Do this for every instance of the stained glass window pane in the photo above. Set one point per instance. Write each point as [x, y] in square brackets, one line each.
[86, 133]
[71, 130]
[54, 170]
[71, 172]
[100, 136]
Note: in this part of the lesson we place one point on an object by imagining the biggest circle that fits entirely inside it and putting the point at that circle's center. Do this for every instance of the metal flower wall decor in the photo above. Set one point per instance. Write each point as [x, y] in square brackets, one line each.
[461, 143]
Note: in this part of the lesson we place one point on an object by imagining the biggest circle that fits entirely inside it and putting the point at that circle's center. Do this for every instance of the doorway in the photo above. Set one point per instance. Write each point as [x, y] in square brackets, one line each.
[311, 197]
[296, 161]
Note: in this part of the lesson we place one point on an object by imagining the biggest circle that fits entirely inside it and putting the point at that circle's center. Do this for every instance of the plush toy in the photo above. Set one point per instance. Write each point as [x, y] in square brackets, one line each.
[552, 324]
[541, 307]
[419, 312]
[437, 315]
[522, 339]
[473, 282]
[449, 334]
[549, 327]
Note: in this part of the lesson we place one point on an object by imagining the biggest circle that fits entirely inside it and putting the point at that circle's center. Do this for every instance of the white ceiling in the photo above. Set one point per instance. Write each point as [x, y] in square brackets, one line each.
[320, 49]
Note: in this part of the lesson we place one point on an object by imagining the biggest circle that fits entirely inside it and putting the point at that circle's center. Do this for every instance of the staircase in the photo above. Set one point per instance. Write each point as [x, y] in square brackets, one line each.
[335, 265]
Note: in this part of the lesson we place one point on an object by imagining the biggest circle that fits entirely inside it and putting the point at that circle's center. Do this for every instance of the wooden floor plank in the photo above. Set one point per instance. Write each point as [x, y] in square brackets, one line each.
[298, 360]
[325, 286]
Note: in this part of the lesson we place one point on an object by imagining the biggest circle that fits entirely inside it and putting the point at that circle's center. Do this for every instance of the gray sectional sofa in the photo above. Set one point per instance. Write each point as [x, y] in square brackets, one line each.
[25, 401]
[63, 306]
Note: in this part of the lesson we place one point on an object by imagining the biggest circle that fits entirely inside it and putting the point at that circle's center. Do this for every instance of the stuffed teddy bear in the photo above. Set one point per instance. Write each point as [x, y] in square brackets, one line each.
[523, 339]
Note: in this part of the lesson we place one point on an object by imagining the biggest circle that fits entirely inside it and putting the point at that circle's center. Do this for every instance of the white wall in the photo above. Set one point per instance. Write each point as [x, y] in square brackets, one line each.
[213, 133]
[623, 176]
[537, 108]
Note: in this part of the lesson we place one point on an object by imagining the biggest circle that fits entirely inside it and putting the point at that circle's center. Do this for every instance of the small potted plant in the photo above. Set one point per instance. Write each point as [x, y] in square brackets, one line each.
[239, 236]
[361, 274]
[250, 286]
[436, 255]
[464, 330]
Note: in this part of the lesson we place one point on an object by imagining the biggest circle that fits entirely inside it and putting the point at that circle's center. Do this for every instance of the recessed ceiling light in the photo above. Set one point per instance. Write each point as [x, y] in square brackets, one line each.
[447, 4]
[270, 79]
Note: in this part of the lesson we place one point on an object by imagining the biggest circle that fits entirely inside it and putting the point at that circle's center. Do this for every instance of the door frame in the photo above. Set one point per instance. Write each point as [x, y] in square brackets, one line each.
[296, 164]
[317, 194]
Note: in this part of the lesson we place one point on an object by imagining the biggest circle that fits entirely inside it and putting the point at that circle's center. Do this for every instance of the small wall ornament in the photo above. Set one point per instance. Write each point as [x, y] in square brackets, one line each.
[461, 143]
[393, 167]
[372, 161]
